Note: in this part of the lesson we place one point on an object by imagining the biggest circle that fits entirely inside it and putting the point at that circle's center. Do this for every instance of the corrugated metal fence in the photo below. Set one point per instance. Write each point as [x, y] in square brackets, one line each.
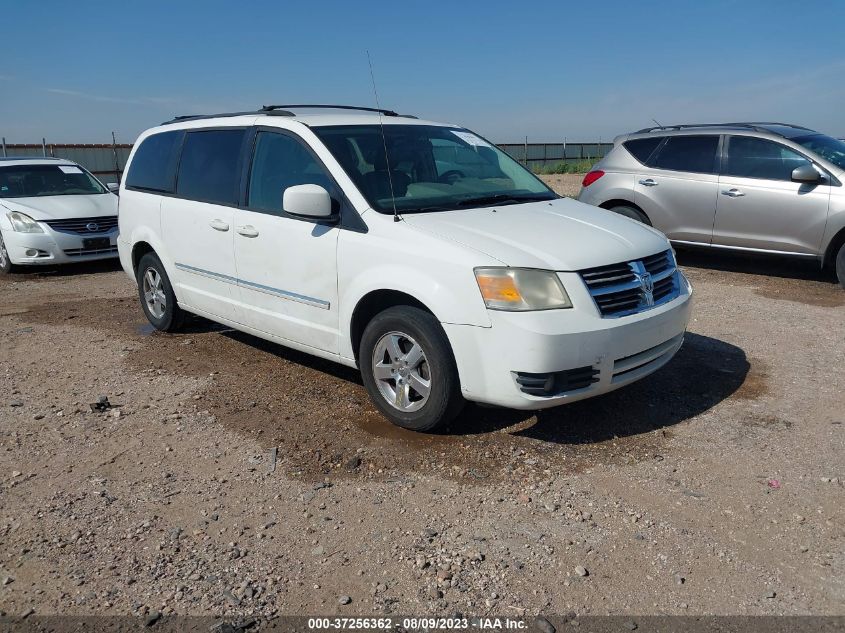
[107, 161]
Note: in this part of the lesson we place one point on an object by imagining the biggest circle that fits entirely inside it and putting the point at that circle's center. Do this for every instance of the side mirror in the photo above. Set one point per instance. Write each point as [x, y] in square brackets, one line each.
[806, 174]
[309, 201]
[114, 187]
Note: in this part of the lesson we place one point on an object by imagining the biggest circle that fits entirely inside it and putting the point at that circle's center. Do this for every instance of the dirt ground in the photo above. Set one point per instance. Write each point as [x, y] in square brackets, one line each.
[233, 476]
[564, 184]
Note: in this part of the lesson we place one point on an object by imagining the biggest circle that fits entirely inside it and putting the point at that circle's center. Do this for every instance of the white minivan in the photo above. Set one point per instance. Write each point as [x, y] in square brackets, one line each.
[415, 251]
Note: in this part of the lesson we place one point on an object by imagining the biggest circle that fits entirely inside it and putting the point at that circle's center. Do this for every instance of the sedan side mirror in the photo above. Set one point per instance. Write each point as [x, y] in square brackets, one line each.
[806, 174]
[309, 201]
[114, 187]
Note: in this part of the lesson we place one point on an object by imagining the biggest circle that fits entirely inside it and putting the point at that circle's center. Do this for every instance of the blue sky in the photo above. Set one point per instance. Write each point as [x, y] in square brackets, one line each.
[75, 71]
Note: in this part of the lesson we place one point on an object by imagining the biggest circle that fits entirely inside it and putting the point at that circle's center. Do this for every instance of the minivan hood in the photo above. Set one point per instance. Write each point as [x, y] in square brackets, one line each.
[64, 207]
[561, 235]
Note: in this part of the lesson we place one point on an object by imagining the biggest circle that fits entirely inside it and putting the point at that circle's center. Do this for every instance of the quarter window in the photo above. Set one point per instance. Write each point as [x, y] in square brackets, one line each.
[750, 157]
[153, 166]
[688, 153]
[642, 148]
[282, 161]
[208, 170]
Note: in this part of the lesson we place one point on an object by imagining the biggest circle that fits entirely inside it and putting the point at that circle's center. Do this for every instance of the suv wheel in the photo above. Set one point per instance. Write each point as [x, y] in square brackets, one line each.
[408, 369]
[840, 265]
[6, 266]
[157, 296]
[631, 212]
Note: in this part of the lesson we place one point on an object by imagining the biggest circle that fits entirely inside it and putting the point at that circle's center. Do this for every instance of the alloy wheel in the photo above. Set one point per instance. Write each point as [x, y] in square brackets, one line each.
[154, 293]
[402, 371]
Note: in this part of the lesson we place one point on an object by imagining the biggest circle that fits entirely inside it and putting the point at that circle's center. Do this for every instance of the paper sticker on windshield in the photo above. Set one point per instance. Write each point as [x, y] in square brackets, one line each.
[471, 138]
[70, 169]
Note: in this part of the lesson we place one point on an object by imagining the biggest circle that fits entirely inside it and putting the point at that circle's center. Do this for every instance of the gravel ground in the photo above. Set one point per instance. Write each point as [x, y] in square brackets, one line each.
[232, 476]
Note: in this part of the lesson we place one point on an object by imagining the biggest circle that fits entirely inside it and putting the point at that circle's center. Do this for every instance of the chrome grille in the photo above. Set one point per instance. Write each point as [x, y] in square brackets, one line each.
[631, 287]
[84, 226]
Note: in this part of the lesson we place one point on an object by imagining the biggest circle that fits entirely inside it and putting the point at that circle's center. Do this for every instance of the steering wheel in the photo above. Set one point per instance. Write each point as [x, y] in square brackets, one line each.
[449, 177]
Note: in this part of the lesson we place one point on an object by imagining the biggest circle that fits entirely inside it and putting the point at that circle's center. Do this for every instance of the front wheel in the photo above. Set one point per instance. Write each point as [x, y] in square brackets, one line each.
[631, 212]
[409, 370]
[156, 294]
[6, 266]
[840, 266]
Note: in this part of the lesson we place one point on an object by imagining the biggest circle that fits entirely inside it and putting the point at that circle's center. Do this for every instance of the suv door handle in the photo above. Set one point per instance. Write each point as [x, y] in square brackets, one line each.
[648, 182]
[219, 225]
[248, 231]
[733, 193]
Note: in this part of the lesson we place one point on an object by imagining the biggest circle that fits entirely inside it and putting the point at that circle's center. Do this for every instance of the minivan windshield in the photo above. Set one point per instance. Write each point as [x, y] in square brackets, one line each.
[430, 168]
[829, 148]
[31, 181]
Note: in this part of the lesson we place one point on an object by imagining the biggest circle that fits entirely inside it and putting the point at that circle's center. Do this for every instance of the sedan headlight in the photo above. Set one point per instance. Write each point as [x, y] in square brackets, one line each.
[521, 289]
[23, 223]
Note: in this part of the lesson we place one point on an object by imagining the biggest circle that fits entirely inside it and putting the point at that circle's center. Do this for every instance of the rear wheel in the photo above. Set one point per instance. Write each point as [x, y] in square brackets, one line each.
[156, 294]
[840, 265]
[409, 370]
[631, 212]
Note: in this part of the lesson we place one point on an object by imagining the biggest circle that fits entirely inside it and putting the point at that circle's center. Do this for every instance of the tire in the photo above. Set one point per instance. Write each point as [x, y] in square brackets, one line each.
[840, 266]
[6, 266]
[156, 294]
[631, 212]
[392, 334]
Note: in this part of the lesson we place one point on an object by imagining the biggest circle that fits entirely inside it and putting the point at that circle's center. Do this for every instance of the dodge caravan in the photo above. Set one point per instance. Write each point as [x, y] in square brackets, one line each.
[415, 251]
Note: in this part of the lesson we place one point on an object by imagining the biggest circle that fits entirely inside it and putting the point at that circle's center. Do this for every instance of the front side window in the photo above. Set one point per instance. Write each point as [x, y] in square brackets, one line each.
[696, 154]
[422, 168]
[153, 166]
[209, 167]
[281, 161]
[751, 157]
[829, 148]
[32, 181]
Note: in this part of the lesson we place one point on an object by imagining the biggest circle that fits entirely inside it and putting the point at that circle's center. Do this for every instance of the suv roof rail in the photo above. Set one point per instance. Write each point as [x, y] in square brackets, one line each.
[283, 110]
[755, 125]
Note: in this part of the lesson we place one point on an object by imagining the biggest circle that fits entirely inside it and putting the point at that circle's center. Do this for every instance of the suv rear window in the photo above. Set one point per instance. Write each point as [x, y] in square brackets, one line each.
[688, 153]
[642, 148]
[208, 170]
[154, 165]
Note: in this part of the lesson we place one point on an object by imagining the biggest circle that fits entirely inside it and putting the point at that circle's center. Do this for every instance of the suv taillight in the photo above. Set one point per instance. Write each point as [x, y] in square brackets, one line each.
[591, 177]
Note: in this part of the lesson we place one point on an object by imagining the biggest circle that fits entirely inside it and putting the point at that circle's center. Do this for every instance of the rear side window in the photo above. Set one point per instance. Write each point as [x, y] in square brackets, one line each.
[642, 148]
[750, 157]
[209, 167]
[688, 153]
[154, 165]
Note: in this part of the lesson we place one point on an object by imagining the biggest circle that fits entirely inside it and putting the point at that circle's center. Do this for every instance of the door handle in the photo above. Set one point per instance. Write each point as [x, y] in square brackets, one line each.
[248, 231]
[733, 193]
[648, 182]
[219, 225]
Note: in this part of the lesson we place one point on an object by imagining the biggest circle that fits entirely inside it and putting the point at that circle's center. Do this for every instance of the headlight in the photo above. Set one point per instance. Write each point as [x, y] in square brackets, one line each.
[521, 289]
[23, 223]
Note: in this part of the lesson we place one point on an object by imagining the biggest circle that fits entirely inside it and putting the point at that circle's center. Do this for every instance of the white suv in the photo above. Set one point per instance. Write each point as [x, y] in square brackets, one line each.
[416, 251]
[53, 211]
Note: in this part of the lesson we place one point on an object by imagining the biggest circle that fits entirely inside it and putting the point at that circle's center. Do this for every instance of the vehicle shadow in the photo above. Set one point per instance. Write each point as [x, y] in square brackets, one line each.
[704, 372]
[755, 264]
[66, 270]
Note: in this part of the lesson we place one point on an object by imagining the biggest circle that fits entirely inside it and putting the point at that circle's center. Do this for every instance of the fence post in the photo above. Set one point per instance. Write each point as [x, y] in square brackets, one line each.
[43, 146]
[114, 153]
[526, 151]
[4, 147]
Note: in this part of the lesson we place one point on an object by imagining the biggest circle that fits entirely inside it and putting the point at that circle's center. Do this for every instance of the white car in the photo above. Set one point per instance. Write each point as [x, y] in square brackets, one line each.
[360, 237]
[53, 211]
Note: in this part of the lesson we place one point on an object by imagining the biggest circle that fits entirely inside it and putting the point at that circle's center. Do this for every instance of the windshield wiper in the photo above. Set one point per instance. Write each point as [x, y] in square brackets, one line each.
[500, 198]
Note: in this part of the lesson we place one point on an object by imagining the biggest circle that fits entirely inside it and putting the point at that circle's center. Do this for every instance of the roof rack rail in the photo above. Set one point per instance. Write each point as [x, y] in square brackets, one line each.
[271, 108]
[199, 117]
[755, 125]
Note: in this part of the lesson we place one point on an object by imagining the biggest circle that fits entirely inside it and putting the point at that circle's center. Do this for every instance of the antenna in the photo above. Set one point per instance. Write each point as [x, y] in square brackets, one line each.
[658, 123]
[383, 140]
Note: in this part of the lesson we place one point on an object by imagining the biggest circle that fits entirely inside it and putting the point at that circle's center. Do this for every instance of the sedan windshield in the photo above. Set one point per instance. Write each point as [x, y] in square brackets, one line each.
[829, 148]
[423, 168]
[30, 181]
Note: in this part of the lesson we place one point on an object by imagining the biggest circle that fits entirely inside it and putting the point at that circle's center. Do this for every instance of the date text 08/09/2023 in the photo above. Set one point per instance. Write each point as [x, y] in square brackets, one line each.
[413, 624]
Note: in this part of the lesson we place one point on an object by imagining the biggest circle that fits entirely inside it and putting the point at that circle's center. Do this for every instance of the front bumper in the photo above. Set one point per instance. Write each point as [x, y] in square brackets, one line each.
[619, 350]
[55, 247]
